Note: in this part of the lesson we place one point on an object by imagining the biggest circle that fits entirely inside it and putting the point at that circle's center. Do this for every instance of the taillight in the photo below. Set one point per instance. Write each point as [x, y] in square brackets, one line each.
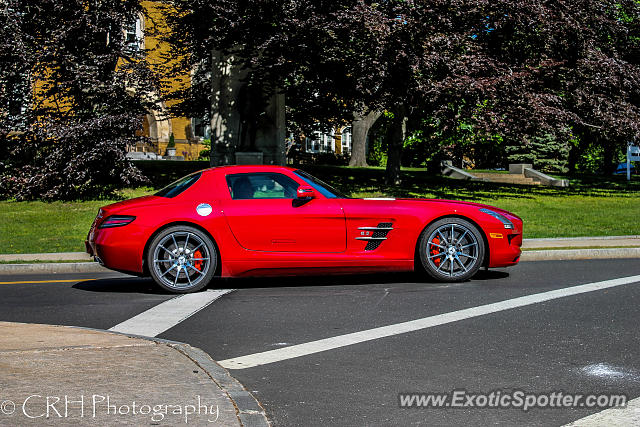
[116, 221]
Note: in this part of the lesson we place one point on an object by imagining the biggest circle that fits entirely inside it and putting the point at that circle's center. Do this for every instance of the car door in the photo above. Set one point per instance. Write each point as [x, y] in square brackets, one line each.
[263, 215]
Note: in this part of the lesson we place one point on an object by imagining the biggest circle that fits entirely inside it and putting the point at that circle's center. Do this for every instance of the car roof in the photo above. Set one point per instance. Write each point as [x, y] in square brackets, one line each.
[248, 168]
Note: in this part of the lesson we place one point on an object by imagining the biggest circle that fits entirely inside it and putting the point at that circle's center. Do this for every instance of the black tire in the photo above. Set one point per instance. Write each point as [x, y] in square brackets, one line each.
[454, 261]
[182, 259]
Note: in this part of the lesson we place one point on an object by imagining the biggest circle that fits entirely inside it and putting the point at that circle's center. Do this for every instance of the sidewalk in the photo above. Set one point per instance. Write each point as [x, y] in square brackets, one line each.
[580, 242]
[572, 248]
[56, 375]
[54, 256]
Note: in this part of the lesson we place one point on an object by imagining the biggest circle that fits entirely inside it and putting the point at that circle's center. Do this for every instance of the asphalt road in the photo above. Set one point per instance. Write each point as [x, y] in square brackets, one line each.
[582, 344]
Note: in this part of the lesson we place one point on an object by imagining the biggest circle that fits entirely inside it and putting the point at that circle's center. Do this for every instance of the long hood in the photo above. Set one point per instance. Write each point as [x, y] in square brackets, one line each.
[441, 203]
[455, 202]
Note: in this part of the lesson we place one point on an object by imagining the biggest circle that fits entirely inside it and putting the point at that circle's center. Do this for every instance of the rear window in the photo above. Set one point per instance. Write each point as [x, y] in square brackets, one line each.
[172, 190]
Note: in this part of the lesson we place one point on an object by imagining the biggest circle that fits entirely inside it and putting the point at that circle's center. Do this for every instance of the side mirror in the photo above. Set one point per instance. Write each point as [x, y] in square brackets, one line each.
[306, 192]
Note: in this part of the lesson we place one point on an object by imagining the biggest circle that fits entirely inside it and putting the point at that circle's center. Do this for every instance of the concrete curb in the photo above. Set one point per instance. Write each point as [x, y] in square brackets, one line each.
[53, 267]
[566, 243]
[531, 255]
[571, 254]
[51, 256]
[250, 411]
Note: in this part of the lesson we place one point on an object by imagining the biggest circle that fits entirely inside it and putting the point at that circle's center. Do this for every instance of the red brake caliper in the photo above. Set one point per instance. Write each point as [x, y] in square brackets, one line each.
[198, 263]
[435, 250]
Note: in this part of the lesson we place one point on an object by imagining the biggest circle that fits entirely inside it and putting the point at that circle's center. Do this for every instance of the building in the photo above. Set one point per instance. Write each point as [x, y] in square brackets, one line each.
[188, 133]
[336, 141]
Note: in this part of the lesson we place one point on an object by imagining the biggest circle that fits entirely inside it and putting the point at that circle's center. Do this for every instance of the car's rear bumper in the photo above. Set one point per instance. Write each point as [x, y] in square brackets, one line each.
[119, 248]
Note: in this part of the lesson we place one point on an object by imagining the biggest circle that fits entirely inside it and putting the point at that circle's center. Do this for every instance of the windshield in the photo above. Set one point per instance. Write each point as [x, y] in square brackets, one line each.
[173, 189]
[325, 189]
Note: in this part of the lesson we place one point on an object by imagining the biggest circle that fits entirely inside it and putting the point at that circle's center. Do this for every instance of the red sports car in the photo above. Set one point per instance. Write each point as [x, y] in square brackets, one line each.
[271, 220]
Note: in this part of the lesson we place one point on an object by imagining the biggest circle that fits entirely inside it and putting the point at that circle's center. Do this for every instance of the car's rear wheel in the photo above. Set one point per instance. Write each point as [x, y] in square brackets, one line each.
[451, 249]
[182, 259]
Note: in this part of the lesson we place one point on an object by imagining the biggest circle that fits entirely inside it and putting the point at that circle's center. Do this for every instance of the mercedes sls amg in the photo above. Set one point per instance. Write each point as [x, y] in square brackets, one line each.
[269, 220]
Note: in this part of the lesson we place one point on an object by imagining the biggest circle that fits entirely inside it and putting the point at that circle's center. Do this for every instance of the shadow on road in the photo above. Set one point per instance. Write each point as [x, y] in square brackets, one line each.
[490, 275]
[308, 280]
[147, 285]
[340, 280]
[133, 285]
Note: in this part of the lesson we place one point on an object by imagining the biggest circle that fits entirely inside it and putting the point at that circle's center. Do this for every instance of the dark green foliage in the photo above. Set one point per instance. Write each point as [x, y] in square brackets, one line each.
[547, 153]
[204, 154]
[161, 173]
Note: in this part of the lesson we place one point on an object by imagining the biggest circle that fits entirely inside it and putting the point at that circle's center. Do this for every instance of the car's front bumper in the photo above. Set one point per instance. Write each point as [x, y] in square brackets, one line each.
[504, 243]
[504, 248]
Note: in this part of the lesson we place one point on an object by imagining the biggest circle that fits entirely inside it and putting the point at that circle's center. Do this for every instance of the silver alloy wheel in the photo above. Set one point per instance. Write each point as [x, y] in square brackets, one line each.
[452, 250]
[181, 260]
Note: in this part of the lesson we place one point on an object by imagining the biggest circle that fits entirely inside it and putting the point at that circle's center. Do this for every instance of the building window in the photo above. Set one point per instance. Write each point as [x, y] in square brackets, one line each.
[133, 35]
[201, 128]
[17, 94]
[346, 140]
[321, 142]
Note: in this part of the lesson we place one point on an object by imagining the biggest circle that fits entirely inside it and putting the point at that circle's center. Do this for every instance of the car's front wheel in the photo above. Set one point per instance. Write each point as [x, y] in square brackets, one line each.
[451, 249]
[182, 259]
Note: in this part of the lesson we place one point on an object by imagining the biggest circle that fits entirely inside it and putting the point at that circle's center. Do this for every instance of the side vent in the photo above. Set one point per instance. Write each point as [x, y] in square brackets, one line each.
[377, 237]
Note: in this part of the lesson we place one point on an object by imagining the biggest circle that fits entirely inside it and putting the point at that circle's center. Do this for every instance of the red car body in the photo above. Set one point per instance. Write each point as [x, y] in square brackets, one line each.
[277, 237]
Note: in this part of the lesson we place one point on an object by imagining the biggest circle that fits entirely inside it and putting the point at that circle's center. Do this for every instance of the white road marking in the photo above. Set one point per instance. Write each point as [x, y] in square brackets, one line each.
[318, 346]
[168, 314]
[629, 416]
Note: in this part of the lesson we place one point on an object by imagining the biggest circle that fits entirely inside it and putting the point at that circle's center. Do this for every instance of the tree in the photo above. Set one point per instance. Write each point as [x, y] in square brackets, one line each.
[332, 59]
[282, 46]
[360, 126]
[555, 71]
[84, 91]
[512, 71]
[535, 74]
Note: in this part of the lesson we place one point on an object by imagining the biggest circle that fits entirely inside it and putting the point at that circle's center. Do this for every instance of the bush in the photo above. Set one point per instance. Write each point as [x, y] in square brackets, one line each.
[83, 94]
[65, 161]
[297, 157]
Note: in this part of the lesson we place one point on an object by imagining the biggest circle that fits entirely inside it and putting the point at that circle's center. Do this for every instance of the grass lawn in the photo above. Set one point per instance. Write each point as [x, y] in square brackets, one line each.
[591, 206]
[34, 227]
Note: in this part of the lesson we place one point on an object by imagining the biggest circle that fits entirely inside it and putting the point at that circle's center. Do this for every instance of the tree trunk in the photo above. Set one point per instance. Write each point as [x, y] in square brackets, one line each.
[395, 141]
[609, 157]
[362, 122]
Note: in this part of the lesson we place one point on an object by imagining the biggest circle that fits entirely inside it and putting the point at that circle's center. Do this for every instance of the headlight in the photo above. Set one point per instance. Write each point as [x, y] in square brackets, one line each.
[503, 219]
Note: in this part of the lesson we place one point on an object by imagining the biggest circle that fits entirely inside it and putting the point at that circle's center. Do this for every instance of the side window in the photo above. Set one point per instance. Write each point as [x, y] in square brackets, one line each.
[244, 186]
